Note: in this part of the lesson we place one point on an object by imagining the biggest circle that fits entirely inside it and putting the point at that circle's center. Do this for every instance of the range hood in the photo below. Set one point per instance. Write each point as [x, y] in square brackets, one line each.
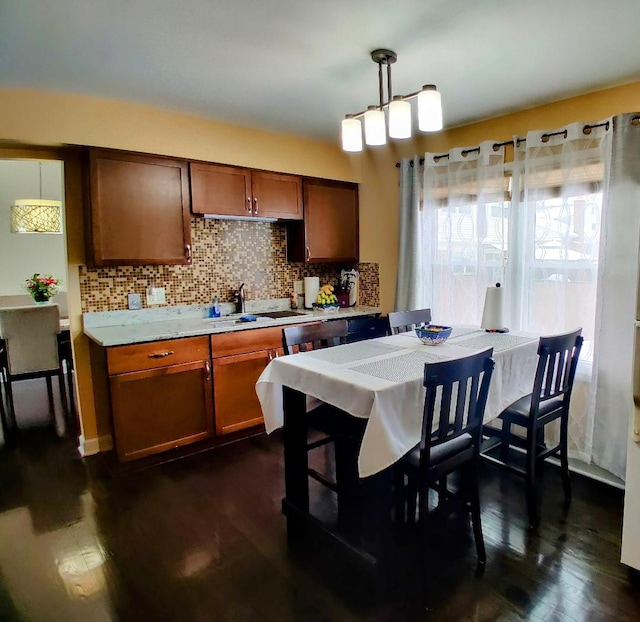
[246, 218]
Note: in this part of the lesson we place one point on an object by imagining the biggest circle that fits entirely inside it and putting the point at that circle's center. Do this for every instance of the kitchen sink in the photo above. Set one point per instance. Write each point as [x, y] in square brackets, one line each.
[276, 315]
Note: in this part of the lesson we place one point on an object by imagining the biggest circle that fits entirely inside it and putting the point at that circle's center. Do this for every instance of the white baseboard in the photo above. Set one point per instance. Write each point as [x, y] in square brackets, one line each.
[92, 446]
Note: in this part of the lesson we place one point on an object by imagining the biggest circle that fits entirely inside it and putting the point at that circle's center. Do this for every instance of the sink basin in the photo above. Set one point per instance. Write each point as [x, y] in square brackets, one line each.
[276, 315]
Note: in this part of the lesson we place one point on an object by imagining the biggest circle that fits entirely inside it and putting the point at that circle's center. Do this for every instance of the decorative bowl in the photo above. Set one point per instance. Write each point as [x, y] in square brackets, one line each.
[432, 334]
[331, 307]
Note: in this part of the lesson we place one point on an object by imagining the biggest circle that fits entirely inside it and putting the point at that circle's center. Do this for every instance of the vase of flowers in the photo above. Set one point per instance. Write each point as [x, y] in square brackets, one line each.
[42, 287]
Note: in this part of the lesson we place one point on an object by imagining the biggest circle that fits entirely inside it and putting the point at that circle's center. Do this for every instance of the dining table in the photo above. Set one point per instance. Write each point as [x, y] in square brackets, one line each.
[381, 382]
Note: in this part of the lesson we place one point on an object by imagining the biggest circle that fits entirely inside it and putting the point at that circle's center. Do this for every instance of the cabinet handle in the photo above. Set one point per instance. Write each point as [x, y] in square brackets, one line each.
[187, 252]
[270, 355]
[255, 209]
[249, 206]
[308, 254]
[161, 355]
[207, 370]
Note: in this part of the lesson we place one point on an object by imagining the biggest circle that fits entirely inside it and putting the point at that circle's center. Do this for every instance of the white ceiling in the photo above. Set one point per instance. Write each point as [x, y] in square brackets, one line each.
[300, 65]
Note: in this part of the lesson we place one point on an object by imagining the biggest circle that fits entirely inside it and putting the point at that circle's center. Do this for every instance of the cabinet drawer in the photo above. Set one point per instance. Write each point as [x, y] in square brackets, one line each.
[245, 341]
[140, 356]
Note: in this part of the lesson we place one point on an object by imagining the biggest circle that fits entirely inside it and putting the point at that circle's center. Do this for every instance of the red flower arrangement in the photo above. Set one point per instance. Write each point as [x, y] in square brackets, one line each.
[42, 286]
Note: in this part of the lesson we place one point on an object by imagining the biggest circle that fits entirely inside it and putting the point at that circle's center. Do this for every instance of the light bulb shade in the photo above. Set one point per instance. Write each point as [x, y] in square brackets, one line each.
[351, 134]
[399, 118]
[429, 109]
[375, 130]
[36, 216]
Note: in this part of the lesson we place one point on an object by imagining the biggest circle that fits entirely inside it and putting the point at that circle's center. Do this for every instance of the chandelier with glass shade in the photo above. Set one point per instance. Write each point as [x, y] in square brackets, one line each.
[398, 109]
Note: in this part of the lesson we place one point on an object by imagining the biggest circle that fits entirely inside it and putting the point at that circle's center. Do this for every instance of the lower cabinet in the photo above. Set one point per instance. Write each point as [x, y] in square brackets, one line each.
[160, 395]
[238, 360]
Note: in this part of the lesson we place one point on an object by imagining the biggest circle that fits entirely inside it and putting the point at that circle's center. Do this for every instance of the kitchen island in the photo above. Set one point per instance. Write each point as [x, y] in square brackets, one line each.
[169, 377]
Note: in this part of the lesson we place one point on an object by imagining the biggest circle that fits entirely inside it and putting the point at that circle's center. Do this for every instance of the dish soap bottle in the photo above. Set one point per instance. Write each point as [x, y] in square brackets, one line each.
[215, 309]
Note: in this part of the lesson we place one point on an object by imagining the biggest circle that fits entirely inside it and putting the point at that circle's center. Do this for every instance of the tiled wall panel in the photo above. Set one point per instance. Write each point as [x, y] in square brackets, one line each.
[225, 254]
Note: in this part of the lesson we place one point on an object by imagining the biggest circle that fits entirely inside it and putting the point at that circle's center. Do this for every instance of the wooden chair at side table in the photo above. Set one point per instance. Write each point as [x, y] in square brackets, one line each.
[456, 391]
[557, 362]
[337, 426]
[31, 338]
[404, 321]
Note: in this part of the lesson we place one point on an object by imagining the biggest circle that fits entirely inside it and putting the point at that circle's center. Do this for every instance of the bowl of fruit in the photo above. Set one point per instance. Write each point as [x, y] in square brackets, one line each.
[327, 300]
[433, 334]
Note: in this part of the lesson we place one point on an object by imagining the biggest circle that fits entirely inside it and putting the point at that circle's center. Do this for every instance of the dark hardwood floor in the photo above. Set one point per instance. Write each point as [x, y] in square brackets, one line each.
[203, 538]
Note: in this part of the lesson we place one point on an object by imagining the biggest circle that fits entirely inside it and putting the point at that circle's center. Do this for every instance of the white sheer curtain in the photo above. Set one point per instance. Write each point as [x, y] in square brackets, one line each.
[464, 230]
[555, 249]
[563, 239]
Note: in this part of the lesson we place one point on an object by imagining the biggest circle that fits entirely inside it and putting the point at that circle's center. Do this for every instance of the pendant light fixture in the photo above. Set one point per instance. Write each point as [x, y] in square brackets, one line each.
[398, 109]
[36, 215]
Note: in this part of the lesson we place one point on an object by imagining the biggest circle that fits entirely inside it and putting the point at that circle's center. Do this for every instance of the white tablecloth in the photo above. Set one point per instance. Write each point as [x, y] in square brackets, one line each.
[381, 380]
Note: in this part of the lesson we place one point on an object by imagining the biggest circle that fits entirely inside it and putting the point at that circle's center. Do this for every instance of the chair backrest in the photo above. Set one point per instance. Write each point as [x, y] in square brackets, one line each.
[557, 362]
[363, 328]
[314, 336]
[31, 337]
[457, 390]
[404, 321]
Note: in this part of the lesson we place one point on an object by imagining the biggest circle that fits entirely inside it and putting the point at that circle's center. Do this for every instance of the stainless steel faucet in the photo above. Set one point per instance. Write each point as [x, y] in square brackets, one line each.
[239, 299]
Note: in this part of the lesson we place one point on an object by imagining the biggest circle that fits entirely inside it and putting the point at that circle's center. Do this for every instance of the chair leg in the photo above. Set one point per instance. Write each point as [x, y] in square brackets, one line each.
[400, 496]
[63, 394]
[504, 444]
[12, 410]
[412, 495]
[473, 487]
[52, 411]
[531, 478]
[423, 517]
[564, 457]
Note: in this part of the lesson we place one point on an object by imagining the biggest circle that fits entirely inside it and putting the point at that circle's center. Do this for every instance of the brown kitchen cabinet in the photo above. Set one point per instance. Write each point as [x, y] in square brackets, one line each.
[138, 209]
[329, 232]
[233, 191]
[161, 395]
[238, 360]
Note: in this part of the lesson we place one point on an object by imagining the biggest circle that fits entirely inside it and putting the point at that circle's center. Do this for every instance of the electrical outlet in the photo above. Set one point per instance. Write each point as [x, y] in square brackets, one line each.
[156, 296]
[134, 301]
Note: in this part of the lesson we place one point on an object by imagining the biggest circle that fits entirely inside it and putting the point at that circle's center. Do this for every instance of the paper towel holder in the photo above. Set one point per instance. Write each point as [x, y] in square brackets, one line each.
[493, 330]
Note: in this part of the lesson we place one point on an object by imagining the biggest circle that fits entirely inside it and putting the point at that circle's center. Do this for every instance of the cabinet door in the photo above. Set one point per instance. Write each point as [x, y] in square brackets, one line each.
[221, 190]
[276, 195]
[234, 390]
[161, 408]
[139, 210]
[329, 233]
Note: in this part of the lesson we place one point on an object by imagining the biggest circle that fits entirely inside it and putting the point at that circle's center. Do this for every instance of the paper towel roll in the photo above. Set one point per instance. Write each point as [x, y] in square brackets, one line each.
[492, 316]
[311, 289]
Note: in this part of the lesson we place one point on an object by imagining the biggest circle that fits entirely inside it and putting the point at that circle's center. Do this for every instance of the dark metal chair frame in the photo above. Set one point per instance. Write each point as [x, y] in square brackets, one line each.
[462, 386]
[550, 400]
[404, 321]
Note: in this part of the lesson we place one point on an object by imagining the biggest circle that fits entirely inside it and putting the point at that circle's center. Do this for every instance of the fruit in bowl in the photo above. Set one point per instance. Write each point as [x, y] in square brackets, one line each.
[433, 334]
[326, 297]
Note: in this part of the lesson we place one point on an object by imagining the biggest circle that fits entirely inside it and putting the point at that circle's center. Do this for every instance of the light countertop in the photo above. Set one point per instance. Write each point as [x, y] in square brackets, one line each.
[129, 327]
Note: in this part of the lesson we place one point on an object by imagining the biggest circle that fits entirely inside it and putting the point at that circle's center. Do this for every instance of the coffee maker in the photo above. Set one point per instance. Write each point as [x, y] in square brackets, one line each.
[350, 278]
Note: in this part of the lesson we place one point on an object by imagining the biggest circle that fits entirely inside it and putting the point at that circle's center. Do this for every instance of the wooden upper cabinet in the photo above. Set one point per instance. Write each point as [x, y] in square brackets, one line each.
[276, 195]
[138, 210]
[232, 191]
[329, 233]
[220, 190]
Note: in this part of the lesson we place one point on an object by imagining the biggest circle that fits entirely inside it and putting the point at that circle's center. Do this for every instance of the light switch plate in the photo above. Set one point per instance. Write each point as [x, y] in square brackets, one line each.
[134, 301]
[156, 296]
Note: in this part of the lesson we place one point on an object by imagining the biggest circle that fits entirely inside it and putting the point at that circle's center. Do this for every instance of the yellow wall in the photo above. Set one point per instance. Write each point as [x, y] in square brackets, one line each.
[56, 120]
[379, 183]
[52, 119]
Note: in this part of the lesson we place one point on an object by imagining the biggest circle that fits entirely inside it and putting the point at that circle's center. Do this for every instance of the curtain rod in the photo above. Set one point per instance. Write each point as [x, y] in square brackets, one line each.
[544, 138]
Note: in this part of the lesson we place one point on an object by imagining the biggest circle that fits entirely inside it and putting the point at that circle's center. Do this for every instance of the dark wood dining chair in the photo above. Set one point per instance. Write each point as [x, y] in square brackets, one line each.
[557, 362]
[363, 328]
[456, 391]
[30, 336]
[404, 321]
[336, 426]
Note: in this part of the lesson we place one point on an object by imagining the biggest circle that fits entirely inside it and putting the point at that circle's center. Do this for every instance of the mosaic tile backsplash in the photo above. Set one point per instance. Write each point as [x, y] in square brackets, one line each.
[226, 253]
